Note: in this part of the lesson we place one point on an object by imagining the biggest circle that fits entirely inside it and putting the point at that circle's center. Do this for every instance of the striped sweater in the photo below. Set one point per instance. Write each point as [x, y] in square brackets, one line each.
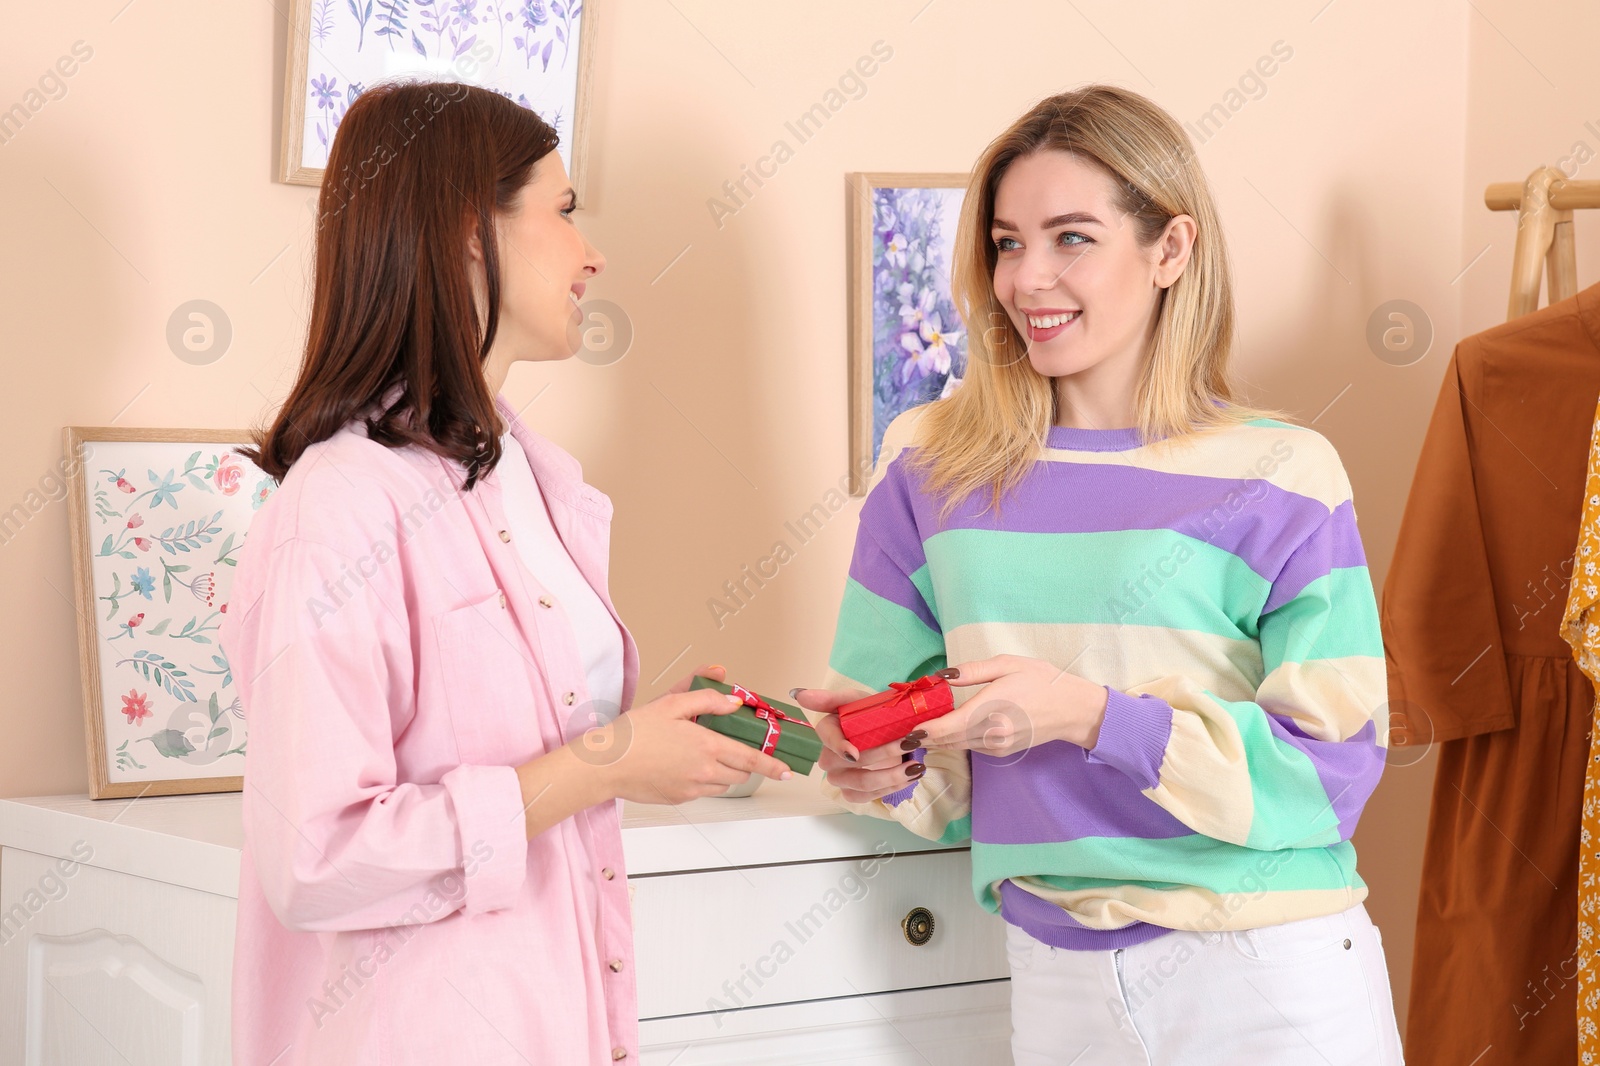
[1216, 585]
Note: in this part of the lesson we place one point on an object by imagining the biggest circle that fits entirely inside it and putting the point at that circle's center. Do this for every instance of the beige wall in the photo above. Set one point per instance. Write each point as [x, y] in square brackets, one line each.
[1355, 179]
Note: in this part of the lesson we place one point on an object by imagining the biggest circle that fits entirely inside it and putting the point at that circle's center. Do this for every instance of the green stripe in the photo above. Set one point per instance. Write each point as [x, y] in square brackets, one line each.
[1334, 616]
[877, 642]
[922, 578]
[1199, 861]
[1289, 807]
[1081, 578]
[957, 831]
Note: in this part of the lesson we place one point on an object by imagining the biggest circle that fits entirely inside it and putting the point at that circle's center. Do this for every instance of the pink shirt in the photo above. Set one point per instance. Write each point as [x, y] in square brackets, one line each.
[396, 661]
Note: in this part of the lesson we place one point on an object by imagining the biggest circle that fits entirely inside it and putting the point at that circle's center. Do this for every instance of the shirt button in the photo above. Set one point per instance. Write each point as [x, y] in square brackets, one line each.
[568, 697]
[616, 965]
[505, 535]
[608, 873]
[546, 601]
[618, 1054]
[502, 599]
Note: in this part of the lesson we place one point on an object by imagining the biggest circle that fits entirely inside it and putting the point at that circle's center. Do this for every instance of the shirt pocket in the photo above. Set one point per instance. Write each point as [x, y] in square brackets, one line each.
[487, 675]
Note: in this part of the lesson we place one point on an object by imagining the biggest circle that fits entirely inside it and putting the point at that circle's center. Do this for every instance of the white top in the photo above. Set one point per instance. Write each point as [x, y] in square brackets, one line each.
[599, 638]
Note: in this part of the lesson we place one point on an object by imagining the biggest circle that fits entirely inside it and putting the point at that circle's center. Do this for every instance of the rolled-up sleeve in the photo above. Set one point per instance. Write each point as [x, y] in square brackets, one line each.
[495, 849]
[325, 665]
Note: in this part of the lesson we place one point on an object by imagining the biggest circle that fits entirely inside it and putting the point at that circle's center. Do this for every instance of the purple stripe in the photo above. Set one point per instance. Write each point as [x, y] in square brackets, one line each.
[882, 576]
[890, 512]
[1093, 440]
[1250, 518]
[1348, 769]
[1134, 734]
[1049, 794]
[1046, 922]
[1334, 544]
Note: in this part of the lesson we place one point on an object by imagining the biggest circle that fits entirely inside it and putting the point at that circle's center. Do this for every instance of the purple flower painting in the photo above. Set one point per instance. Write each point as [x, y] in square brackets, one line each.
[919, 349]
[526, 50]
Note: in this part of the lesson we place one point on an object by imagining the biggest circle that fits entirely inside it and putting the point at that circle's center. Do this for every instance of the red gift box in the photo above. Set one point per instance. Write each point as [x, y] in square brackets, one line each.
[886, 716]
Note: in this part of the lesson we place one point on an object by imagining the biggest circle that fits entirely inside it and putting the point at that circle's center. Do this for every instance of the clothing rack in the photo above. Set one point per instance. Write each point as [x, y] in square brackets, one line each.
[1544, 204]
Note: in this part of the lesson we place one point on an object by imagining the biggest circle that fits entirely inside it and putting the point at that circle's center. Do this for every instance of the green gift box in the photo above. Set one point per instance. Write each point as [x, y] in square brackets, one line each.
[797, 743]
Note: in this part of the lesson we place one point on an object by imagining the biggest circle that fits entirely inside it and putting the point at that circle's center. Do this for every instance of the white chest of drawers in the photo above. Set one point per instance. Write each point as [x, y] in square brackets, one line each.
[770, 929]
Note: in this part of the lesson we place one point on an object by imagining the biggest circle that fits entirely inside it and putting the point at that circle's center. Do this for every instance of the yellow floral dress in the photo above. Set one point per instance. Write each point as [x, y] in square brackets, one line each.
[1580, 626]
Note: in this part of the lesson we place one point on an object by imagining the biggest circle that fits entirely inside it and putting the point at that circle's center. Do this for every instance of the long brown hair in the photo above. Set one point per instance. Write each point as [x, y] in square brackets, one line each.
[413, 167]
[988, 432]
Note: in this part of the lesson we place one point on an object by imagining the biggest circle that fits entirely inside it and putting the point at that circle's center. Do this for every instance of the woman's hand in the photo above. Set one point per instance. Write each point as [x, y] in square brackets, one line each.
[658, 754]
[861, 776]
[1026, 702]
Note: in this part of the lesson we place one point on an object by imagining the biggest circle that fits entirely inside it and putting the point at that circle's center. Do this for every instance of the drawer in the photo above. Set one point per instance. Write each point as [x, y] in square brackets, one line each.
[719, 940]
[956, 1025]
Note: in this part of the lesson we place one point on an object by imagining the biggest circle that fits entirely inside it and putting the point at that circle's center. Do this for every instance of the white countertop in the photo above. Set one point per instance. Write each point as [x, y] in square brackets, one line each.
[194, 841]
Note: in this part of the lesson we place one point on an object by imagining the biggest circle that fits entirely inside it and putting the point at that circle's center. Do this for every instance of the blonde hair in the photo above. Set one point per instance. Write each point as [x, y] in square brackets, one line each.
[989, 431]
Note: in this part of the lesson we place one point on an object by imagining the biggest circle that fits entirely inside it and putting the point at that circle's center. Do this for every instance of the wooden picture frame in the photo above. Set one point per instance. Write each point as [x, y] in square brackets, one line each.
[901, 227]
[393, 41]
[207, 495]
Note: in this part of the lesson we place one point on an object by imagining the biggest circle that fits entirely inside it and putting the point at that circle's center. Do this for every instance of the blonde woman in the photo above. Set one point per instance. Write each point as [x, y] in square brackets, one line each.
[1172, 692]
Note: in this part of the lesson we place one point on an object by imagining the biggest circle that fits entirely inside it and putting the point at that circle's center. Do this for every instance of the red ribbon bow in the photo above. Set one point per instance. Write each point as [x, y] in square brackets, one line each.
[770, 714]
[917, 691]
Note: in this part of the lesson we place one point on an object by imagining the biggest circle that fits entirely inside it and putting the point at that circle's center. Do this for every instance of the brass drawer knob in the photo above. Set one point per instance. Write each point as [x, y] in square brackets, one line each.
[917, 925]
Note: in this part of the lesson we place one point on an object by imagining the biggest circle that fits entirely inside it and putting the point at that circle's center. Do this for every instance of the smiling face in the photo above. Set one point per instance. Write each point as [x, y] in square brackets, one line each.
[1073, 278]
[545, 262]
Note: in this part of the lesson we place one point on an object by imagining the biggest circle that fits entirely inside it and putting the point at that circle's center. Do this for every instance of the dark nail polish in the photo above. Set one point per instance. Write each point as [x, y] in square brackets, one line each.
[913, 741]
[948, 673]
[914, 770]
[847, 755]
[794, 693]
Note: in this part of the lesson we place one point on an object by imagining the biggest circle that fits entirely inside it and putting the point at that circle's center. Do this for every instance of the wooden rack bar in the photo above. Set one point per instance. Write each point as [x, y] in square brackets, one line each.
[1544, 205]
[1564, 195]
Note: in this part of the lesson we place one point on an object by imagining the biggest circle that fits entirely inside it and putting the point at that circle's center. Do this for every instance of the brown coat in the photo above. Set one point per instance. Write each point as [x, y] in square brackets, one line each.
[1471, 616]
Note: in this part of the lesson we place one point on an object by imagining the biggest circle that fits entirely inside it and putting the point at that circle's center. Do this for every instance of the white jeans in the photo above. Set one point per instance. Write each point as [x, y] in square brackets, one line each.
[1313, 992]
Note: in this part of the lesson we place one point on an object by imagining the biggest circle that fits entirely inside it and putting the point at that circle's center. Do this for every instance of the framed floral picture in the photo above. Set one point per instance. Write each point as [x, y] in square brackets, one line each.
[907, 343]
[538, 53]
[158, 519]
